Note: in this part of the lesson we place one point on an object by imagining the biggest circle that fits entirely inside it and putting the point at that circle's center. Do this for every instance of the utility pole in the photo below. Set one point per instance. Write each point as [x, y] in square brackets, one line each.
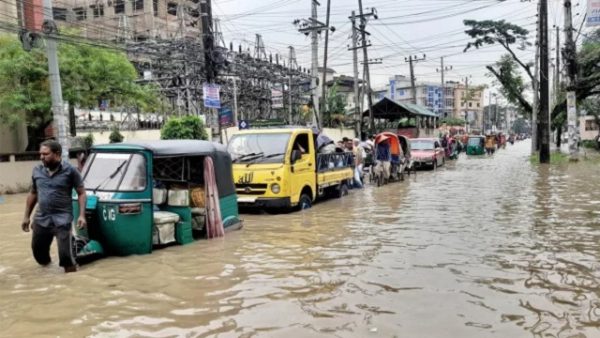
[571, 65]
[413, 59]
[324, 83]
[362, 26]
[442, 70]
[293, 64]
[314, 27]
[315, 64]
[557, 76]
[536, 90]
[51, 31]
[208, 44]
[235, 102]
[544, 94]
[357, 111]
[466, 100]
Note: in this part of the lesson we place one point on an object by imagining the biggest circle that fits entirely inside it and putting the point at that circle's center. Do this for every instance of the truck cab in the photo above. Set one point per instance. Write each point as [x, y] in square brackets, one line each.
[280, 168]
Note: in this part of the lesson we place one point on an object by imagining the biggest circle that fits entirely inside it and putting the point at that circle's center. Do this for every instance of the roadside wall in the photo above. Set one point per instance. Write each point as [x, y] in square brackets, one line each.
[16, 176]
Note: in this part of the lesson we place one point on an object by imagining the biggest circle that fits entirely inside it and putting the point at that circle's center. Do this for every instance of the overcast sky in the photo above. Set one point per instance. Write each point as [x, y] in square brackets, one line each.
[404, 27]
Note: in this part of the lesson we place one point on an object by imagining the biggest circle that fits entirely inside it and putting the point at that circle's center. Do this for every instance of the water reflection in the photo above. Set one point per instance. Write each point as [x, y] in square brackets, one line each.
[484, 247]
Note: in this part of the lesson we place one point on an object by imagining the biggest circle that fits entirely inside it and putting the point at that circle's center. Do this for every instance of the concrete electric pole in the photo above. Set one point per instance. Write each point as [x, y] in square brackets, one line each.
[58, 109]
[544, 117]
[442, 70]
[413, 59]
[571, 65]
[354, 48]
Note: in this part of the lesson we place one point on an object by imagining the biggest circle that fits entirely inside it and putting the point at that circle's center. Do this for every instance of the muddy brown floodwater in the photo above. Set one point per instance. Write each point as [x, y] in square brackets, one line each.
[484, 247]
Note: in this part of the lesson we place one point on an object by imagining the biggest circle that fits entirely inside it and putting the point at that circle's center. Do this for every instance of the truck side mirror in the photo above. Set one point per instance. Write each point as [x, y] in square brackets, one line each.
[296, 155]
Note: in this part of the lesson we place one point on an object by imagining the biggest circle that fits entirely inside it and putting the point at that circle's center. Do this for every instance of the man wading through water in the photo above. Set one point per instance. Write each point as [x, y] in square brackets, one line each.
[52, 185]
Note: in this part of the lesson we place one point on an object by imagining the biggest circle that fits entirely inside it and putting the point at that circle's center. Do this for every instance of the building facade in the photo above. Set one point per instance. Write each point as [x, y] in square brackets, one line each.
[431, 95]
[468, 104]
[135, 20]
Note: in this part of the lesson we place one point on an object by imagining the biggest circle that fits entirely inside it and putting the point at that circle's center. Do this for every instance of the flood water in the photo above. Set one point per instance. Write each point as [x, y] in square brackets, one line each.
[484, 247]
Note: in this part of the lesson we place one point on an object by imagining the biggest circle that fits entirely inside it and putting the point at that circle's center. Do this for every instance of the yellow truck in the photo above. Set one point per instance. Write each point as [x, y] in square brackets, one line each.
[280, 169]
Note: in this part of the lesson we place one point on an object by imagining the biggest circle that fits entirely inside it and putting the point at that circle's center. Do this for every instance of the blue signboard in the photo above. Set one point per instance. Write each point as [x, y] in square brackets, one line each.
[225, 117]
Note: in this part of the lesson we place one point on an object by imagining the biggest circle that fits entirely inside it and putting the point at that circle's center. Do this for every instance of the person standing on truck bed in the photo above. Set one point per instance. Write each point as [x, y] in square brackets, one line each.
[52, 185]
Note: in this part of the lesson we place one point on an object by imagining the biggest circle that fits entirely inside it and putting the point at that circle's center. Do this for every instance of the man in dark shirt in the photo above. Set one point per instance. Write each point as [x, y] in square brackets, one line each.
[52, 186]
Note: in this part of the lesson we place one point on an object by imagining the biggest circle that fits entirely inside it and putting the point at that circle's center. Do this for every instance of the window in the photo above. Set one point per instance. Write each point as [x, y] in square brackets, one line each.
[98, 10]
[119, 6]
[59, 14]
[258, 148]
[478, 105]
[115, 172]
[470, 104]
[155, 7]
[591, 125]
[301, 143]
[138, 5]
[172, 8]
[80, 13]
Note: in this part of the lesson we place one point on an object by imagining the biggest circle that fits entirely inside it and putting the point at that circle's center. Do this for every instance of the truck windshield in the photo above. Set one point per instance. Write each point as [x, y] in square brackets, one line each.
[115, 172]
[261, 148]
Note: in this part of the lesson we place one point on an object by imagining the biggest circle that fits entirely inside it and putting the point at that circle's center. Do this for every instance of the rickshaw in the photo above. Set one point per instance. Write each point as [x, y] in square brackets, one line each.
[475, 145]
[409, 163]
[146, 195]
[389, 159]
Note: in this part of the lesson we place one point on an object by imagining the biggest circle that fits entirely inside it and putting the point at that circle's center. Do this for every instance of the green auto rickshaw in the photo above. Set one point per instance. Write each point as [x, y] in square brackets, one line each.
[475, 145]
[145, 195]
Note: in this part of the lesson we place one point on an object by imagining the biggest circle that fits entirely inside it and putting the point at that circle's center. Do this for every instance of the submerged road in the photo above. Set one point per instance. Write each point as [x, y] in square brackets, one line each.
[483, 247]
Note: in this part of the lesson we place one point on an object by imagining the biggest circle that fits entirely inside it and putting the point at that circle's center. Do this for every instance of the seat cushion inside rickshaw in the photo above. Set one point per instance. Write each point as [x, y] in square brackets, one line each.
[164, 217]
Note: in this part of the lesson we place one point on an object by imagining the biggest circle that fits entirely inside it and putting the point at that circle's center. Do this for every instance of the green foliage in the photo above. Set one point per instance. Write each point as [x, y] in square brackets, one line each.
[88, 75]
[591, 144]
[115, 136]
[336, 106]
[556, 157]
[184, 128]
[88, 141]
[520, 126]
[452, 121]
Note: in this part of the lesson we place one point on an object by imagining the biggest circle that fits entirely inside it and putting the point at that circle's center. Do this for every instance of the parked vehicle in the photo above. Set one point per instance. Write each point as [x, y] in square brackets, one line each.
[476, 145]
[138, 196]
[280, 169]
[427, 152]
[390, 162]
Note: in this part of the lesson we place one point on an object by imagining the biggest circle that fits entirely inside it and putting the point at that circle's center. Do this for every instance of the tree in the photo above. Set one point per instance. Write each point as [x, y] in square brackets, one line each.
[115, 136]
[184, 128]
[506, 71]
[335, 104]
[88, 75]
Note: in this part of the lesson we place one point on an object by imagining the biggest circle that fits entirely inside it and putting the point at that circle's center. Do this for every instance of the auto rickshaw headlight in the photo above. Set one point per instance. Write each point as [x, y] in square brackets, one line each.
[275, 188]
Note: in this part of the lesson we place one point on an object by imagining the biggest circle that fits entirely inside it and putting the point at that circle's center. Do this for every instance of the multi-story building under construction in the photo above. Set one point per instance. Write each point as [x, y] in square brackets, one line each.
[136, 20]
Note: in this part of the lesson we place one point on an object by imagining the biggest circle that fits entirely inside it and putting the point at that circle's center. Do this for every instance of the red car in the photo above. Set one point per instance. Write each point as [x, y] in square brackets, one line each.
[427, 152]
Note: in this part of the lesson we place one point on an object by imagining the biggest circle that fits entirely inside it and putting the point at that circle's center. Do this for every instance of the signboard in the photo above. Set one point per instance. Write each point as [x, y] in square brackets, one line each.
[243, 124]
[593, 13]
[211, 96]
[276, 98]
[225, 117]
[392, 90]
